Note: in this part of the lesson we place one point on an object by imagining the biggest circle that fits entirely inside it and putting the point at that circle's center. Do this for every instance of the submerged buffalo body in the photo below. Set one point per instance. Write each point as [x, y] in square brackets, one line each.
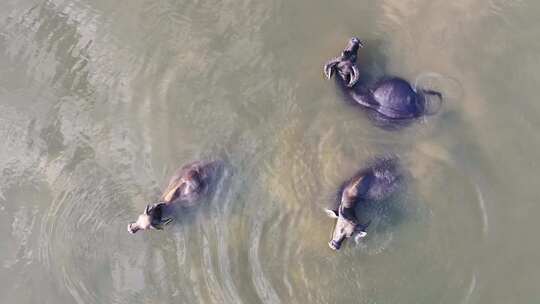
[374, 183]
[391, 97]
[185, 189]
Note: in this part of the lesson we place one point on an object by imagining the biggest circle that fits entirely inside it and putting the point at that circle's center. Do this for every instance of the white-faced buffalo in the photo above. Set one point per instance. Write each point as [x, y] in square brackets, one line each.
[185, 189]
[391, 97]
[373, 183]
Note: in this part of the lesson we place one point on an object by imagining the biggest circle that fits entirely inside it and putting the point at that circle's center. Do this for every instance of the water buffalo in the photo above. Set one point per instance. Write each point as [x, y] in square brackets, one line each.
[391, 97]
[375, 183]
[185, 189]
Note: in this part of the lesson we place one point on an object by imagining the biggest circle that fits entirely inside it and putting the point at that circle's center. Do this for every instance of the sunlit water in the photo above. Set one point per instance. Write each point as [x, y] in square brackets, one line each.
[100, 101]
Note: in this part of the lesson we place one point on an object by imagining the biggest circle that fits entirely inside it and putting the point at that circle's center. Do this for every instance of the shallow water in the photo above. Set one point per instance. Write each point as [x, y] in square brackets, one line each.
[100, 101]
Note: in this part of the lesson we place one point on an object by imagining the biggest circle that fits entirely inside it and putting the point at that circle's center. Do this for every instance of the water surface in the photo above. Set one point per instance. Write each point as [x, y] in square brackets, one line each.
[100, 101]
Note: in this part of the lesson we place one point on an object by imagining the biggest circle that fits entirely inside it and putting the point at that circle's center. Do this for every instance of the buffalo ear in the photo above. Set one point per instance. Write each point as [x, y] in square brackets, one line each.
[359, 235]
[363, 227]
[331, 213]
[354, 76]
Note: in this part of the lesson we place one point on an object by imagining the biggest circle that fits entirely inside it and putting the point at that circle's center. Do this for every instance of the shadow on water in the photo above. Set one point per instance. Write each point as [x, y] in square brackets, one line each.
[382, 216]
[372, 61]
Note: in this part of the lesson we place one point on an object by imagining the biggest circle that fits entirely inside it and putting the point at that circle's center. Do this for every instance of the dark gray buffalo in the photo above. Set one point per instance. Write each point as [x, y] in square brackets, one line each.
[392, 98]
[373, 183]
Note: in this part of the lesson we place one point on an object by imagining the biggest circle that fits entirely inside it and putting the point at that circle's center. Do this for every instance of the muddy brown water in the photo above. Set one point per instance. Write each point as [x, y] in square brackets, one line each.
[100, 101]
